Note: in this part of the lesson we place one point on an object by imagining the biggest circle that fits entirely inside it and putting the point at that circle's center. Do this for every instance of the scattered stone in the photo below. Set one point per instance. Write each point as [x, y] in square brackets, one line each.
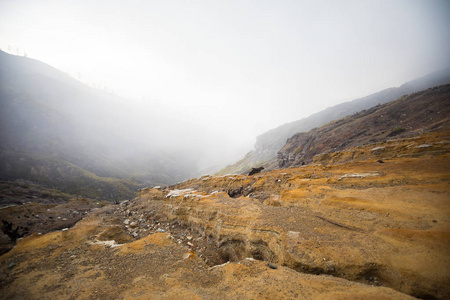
[272, 266]
[133, 224]
[235, 193]
[126, 222]
[11, 265]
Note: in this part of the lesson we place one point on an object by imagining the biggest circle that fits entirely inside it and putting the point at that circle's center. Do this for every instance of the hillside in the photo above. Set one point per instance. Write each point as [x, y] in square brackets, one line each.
[268, 144]
[359, 229]
[408, 116]
[62, 134]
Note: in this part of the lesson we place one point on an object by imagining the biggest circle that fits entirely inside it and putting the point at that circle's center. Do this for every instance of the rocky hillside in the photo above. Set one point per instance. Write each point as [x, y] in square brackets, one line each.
[410, 115]
[376, 228]
[268, 144]
[62, 134]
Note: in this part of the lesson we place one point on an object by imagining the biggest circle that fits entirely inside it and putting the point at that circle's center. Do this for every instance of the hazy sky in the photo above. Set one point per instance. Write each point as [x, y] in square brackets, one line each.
[240, 67]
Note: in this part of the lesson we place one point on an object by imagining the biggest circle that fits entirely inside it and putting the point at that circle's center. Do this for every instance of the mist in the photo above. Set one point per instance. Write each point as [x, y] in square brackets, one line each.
[196, 82]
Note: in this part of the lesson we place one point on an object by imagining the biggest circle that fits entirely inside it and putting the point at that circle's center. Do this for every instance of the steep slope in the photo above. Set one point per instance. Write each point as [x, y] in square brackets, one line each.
[355, 230]
[63, 134]
[410, 115]
[268, 144]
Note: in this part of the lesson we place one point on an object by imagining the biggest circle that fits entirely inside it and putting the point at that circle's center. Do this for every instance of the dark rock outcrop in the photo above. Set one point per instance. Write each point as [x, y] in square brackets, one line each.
[255, 171]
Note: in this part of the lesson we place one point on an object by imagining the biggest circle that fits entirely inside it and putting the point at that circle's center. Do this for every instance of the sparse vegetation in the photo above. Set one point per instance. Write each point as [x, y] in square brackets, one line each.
[396, 131]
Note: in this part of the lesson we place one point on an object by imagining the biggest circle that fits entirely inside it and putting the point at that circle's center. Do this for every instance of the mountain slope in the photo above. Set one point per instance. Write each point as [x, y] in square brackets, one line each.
[356, 230]
[51, 122]
[268, 144]
[408, 116]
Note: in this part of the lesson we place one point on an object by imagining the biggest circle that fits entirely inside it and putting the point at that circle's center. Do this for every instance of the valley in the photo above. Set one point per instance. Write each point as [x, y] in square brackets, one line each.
[355, 208]
[343, 229]
[211, 150]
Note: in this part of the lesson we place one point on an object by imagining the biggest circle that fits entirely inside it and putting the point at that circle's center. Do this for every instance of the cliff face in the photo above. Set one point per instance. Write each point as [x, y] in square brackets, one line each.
[359, 229]
[408, 116]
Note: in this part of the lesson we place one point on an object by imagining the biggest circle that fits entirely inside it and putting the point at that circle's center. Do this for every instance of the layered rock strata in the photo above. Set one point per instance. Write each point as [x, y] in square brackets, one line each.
[353, 230]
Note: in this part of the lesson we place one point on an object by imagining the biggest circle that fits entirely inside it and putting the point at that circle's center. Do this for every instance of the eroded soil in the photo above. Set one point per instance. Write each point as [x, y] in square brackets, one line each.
[354, 230]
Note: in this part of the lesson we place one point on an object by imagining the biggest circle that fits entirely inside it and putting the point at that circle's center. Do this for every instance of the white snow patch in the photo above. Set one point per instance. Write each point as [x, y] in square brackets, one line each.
[359, 175]
[111, 243]
[186, 193]
[424, 146]
[377, 148]
[176, 193]
[219, 266]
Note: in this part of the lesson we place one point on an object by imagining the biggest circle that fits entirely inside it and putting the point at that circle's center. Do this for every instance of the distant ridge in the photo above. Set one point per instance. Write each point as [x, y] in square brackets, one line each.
[269, 143]
[408, 116]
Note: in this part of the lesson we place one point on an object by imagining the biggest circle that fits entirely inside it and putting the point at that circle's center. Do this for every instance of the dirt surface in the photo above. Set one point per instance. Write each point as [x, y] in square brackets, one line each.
[36, 218]
[78, 265]
[354, 230]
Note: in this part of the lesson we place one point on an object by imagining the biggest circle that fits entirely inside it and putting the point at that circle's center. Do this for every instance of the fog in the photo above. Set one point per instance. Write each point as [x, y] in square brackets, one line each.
[203, 78]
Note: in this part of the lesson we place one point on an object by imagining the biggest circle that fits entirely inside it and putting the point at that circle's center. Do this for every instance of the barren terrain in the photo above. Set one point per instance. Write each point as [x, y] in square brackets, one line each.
[369, 228]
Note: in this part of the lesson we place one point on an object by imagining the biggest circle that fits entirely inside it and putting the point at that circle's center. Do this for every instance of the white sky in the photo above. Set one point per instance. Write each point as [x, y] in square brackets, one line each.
[235, 67]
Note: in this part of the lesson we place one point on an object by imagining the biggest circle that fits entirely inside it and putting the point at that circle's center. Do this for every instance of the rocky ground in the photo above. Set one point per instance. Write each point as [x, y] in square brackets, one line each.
[28, 208]
[376, 228]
